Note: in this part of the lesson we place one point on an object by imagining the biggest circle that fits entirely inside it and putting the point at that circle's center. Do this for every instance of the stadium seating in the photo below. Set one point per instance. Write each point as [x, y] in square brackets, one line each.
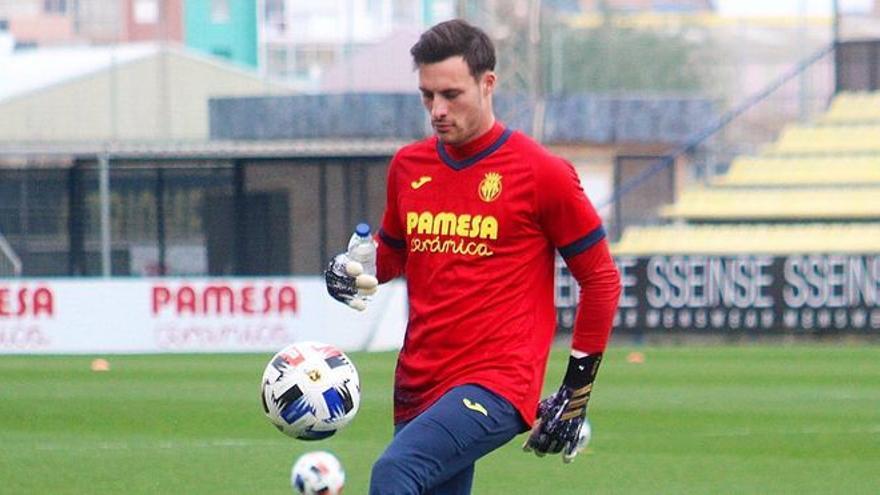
[762, 238]
[850, 108]
[802, 171]
[828, 139]
[815, 189]
[776, 203]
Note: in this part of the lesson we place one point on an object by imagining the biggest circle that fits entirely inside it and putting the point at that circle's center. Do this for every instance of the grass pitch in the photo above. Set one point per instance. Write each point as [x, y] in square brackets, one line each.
[712, 420]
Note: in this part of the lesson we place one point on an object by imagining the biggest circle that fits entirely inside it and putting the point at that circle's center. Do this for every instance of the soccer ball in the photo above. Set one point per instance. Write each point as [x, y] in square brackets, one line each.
[317, 473]
[584, 435]
[310, 390]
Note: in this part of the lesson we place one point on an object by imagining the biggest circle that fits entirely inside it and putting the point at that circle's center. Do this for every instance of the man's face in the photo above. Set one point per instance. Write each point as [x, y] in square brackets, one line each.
[460, 106]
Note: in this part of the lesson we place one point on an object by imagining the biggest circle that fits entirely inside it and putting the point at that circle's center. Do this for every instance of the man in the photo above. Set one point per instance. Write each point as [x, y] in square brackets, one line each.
[473, 218]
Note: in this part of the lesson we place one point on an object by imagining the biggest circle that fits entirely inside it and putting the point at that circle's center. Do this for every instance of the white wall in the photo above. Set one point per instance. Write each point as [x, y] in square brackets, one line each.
[95, 316]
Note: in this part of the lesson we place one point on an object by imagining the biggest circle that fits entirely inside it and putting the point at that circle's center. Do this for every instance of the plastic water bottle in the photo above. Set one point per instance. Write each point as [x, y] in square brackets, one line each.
[362, 249]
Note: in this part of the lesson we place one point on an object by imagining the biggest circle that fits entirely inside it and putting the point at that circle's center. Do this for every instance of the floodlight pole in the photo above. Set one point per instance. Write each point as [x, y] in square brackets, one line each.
[460, 9]
[835, 42]
[835, 21]
[536, 80]
[803, 113]
[104, 193]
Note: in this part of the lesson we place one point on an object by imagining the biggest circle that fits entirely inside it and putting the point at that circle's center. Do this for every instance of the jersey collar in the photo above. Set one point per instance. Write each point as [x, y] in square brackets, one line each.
[459, 158]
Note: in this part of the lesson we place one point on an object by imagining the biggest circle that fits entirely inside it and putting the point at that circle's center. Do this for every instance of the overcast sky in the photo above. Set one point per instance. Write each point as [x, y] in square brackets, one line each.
[789, 7]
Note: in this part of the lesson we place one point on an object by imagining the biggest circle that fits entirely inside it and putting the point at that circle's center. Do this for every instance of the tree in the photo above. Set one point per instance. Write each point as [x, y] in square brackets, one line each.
[610, 58]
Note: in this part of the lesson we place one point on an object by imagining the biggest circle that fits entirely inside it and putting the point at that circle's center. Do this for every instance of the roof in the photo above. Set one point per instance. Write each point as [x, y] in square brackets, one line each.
[213, 149]
[29, 70]
[25, 71]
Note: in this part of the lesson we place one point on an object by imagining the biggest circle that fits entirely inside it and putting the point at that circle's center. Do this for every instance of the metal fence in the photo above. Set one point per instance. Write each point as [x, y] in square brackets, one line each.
[224, 209]
[10, 263]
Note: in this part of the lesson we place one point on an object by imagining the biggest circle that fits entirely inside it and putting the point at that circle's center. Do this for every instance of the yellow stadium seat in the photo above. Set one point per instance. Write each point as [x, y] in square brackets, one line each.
[827, 140]
[725, 204]
[750, 239]
[853, 107]
[802, 171]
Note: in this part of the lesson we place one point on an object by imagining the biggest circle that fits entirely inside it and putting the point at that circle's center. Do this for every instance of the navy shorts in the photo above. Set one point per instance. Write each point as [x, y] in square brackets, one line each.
[434, 453]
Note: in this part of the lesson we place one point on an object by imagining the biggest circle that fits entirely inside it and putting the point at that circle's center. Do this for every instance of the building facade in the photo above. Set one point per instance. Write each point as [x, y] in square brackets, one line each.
[223, 28]
[301, 40]
[648, 5]
[102, 21]
[147, 20]
[34, 23]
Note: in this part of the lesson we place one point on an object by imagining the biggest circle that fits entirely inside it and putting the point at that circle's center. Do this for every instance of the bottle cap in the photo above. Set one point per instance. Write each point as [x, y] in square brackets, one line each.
[362, 229]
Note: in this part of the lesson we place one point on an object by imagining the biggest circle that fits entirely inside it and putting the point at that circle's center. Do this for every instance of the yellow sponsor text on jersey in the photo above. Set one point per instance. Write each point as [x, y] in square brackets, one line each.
[447, 223]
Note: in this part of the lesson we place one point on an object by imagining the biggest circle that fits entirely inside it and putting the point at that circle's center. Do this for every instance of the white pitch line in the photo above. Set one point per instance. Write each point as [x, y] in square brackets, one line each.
[747, 432]
[246, 443]
[161, 445]
[734, 432]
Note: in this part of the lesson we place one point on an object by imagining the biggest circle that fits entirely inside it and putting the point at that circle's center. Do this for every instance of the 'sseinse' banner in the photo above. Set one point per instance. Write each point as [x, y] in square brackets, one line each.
[795, 293]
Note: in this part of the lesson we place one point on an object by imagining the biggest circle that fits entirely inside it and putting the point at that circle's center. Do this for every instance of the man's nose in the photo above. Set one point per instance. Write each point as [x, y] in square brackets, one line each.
[438, 108]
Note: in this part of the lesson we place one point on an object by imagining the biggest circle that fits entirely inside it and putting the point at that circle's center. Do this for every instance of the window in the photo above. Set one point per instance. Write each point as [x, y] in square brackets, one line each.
[146, 11]
[312, 60]
[275, 15]
[55, 6]
[274, 9]
[405, 13]
[219, 11]
[164, 220]
[32, 203]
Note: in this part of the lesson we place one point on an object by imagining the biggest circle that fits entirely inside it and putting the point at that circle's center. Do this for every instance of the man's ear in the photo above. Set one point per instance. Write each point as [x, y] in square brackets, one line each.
[487, 82]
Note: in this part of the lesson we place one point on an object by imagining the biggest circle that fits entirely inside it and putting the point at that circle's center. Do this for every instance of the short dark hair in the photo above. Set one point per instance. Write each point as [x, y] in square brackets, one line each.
[455, 37]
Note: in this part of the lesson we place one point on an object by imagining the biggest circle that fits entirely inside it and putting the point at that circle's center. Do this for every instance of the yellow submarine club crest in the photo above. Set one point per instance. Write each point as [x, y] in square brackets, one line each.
[490, 187]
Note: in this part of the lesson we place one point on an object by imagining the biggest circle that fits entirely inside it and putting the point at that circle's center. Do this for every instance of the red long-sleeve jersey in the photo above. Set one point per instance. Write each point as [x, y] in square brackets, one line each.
[475, 230]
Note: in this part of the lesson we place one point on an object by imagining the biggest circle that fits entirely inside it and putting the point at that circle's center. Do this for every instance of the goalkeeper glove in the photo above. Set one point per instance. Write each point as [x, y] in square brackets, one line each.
[347, 282]
[561, 416]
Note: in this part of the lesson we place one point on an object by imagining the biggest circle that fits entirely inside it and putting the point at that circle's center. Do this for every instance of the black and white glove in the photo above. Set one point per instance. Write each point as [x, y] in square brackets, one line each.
[561, 417]
[347, 282]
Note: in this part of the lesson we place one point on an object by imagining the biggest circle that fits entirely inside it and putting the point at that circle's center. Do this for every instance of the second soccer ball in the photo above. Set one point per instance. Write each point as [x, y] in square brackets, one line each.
[317, 473]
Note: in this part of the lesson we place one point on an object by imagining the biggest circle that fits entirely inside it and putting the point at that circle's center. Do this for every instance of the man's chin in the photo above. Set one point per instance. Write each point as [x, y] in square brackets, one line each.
[447, 138]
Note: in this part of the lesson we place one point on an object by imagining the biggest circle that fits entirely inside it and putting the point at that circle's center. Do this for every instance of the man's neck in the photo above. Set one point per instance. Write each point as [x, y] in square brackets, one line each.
[477, 144]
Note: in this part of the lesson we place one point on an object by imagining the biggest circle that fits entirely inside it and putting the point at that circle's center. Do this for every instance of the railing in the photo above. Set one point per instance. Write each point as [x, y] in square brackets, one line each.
[796, 95]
